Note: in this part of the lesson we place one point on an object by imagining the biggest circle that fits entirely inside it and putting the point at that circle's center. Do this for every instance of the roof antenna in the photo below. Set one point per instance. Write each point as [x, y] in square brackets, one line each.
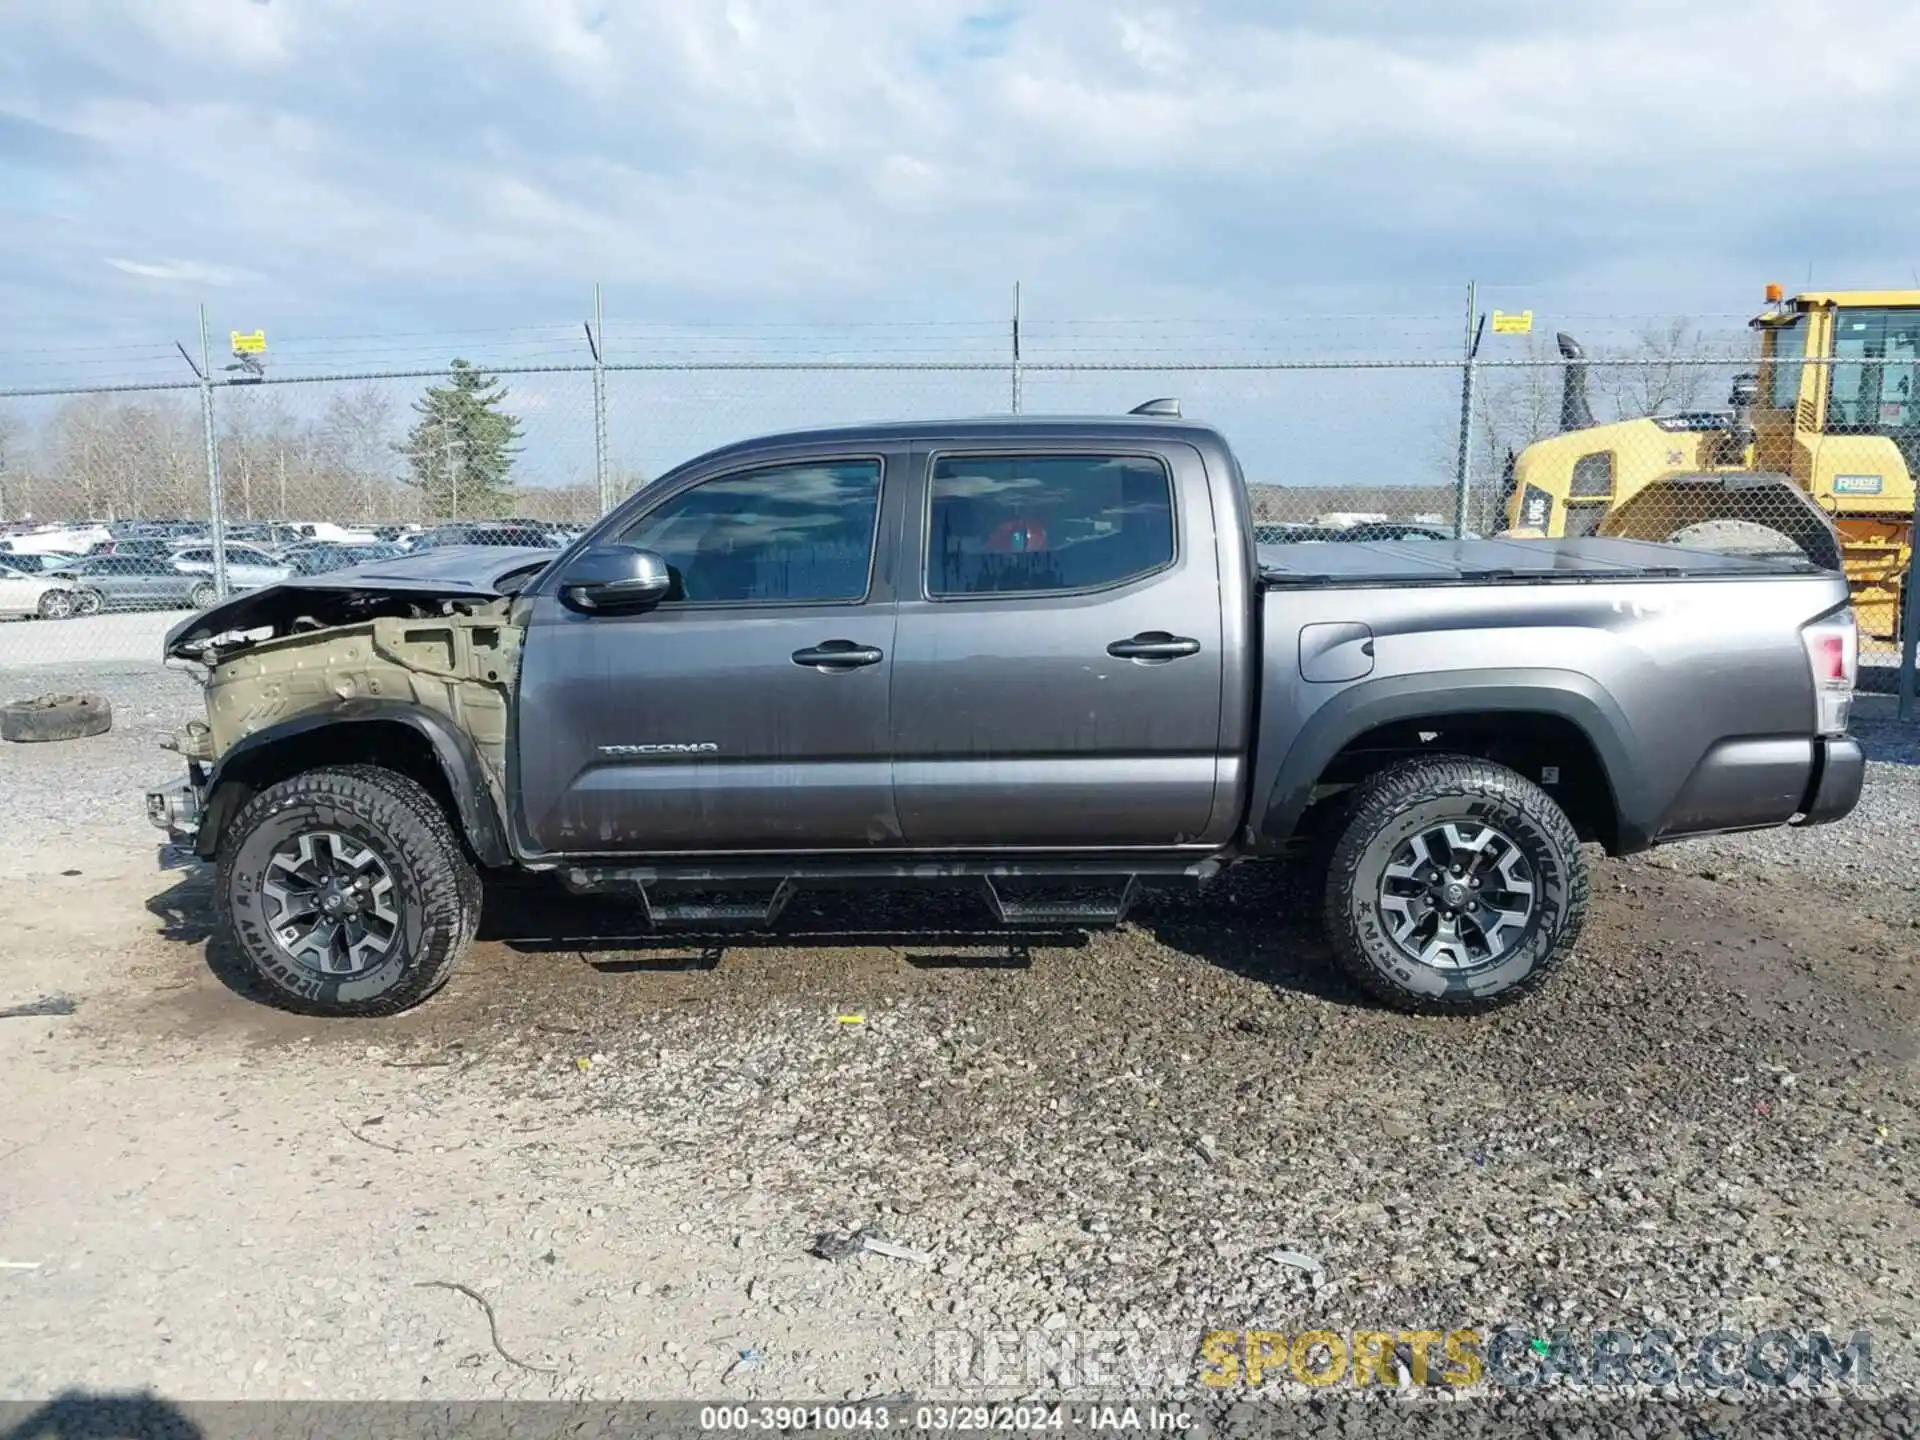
[1166, 408]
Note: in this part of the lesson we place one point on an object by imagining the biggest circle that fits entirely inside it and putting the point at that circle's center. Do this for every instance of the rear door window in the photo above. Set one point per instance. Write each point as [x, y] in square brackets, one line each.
[1026, 524]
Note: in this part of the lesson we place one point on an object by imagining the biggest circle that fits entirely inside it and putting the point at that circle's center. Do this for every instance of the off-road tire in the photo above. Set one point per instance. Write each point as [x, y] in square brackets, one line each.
[89, 602]
[202, 596]
[438, 891]
[56, 605]
[1416, 795]
[56, 717]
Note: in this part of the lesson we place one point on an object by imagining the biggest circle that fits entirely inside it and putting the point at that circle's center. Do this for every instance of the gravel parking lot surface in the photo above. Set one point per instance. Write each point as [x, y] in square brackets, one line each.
[631, 1148]
[133, 638]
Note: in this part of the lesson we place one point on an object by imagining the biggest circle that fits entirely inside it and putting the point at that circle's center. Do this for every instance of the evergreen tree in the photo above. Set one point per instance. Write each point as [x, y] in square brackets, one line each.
[460, 452]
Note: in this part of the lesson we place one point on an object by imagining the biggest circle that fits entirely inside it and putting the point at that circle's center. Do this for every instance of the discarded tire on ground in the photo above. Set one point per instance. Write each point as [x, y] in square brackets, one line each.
[55, 717]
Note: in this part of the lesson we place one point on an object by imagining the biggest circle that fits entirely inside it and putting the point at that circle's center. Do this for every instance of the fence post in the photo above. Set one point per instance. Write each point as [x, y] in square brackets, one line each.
[453, 468]
[216, 508]
[1463, 465]
[1015, 374]
[1910, 616]
[597, 343]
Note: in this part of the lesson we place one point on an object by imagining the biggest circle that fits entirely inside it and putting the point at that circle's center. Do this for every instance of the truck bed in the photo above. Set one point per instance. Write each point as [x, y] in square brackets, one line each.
[1478, 562]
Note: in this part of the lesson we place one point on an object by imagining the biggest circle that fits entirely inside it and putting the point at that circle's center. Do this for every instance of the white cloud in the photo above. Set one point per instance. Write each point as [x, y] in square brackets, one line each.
[781, 157]
[180, 272]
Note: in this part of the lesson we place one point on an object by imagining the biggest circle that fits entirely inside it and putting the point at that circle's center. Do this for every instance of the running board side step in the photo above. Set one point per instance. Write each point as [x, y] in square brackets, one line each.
[1015, 909]
[752, 895]
[753, 905]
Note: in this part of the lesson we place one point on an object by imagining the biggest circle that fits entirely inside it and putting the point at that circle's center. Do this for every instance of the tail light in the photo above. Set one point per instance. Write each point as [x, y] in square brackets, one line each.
[1833, 654]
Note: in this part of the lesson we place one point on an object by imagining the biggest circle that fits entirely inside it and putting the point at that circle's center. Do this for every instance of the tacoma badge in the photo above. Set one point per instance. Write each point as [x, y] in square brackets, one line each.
[698, 747]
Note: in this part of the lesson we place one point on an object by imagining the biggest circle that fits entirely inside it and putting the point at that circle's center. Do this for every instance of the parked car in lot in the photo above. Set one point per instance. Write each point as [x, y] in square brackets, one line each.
[1039, 656]
[28, 593]
[317, 557]
[133, 582]
[247, 568]
[35, 564]
[152, 547]
[61, 539]
[503, 532]
[1394, 530]
[1285, 533]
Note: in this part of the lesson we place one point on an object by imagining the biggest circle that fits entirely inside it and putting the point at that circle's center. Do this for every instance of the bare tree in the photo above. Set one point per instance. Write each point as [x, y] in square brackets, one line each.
[77, 445]
[1659, 372]
[356, 432]
[239, 457]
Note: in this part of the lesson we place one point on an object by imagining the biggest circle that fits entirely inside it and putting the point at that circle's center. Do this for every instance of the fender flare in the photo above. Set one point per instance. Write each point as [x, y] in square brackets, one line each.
[1564, 694]
[466, 776]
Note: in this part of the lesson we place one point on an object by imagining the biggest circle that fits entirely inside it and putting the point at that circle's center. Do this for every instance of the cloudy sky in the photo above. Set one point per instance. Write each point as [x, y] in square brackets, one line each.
[362, 177]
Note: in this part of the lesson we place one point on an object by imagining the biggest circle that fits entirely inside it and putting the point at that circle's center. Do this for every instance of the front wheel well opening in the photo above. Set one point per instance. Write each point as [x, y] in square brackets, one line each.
[385, 744]
[1551, 751]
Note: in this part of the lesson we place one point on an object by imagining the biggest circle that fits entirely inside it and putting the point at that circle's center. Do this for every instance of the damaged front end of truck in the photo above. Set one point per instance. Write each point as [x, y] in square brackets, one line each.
[408, 664]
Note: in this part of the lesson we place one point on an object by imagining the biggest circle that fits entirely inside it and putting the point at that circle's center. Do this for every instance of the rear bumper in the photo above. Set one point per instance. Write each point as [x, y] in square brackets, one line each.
[1765, 783]
[1840, 770]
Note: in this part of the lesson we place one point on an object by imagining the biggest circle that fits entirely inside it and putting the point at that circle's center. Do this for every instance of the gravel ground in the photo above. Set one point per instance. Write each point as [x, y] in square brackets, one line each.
[84, 788]
[631, 1149]
[133, 638]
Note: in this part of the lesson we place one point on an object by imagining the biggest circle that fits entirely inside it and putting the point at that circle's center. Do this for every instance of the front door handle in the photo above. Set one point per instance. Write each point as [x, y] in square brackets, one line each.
[838, 655]
[1154, 645]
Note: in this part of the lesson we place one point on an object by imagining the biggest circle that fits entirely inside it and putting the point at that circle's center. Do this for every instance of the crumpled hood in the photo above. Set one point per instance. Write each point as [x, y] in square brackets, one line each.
[459, 572]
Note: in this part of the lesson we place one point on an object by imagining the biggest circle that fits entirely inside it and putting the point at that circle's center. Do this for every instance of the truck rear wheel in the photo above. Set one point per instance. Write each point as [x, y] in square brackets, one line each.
[347, 892]
[1456, 886]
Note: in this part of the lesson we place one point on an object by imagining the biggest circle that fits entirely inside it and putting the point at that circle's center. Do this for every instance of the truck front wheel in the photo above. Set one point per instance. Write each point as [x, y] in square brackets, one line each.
[1456, 886]
[346, 892]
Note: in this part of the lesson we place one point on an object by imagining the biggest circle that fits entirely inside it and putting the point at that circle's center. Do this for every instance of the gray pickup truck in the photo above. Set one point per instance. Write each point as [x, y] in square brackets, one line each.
[1042, 657]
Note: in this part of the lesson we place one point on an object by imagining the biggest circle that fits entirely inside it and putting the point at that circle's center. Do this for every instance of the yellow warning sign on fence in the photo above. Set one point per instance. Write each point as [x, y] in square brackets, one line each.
[254, 344]
[1505, 324]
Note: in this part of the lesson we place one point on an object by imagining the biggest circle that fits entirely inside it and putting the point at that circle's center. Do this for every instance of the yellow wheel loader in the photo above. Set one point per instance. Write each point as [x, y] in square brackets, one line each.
[1817, 453]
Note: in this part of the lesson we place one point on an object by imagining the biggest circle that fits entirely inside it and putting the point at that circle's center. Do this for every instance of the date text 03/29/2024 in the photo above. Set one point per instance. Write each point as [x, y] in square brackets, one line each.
[1146, 1418]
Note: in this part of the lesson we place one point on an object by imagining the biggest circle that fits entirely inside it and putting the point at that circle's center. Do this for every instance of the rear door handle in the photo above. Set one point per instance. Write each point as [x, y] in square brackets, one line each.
[838, 655]
[1154, 645]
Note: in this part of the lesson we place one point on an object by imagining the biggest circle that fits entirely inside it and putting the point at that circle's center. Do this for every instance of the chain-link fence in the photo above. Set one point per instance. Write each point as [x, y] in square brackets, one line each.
[1687, 433]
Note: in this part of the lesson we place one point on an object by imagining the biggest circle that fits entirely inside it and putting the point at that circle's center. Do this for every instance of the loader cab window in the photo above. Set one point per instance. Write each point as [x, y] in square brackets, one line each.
[1787, 345]
[1875, 388]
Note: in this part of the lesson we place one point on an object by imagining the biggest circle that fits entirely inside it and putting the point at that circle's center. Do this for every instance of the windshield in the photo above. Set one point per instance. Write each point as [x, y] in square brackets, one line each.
[1876, 371]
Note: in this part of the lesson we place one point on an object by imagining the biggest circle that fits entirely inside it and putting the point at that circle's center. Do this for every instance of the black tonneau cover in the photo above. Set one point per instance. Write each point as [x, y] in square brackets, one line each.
[1477, 562]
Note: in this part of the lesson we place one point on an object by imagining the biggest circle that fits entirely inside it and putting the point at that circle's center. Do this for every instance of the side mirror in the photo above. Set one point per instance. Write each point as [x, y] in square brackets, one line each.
[616, 577]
